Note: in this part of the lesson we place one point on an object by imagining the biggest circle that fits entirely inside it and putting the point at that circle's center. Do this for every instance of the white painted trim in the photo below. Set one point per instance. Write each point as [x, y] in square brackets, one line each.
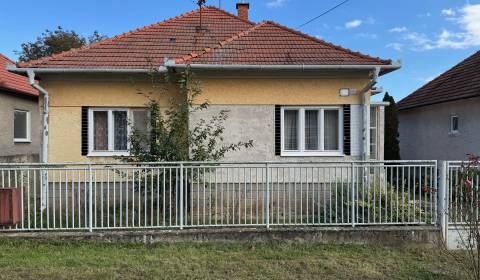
[28, 127]
[301, 134]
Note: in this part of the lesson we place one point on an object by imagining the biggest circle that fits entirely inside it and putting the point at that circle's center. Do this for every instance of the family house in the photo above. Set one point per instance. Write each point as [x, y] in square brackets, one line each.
[296, 96]
[440, 120]
[19, 115]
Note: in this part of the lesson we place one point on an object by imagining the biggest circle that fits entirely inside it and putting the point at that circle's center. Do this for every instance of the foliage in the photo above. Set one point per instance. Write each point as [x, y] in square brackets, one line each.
[54, 42]
[171, 137]
[466, 209]
[380, 202]
[392, 144]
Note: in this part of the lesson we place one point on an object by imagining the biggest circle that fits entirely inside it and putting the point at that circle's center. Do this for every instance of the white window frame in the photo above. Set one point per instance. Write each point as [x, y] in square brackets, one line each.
[374, 140]
[111, 151]
[454, 131]
[301, 133]
[27, 126]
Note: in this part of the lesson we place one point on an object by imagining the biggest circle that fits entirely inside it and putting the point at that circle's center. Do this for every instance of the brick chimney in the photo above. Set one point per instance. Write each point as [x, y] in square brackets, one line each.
[242, 10]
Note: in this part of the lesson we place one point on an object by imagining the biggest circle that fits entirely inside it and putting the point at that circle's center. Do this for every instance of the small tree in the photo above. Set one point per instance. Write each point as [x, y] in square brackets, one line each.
[171, 136]
[392, 144]
[54, 42]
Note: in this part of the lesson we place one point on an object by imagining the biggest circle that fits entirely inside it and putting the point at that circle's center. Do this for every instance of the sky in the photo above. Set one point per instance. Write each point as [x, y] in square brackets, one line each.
[427, 36]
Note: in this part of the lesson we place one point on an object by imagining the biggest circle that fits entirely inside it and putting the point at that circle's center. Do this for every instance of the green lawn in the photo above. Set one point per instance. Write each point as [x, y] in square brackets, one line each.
[73, 260]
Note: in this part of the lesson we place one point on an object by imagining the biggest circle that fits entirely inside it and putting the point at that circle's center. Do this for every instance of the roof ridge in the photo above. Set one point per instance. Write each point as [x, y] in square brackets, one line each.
[116, 37]
[321, 41]
[220, 44]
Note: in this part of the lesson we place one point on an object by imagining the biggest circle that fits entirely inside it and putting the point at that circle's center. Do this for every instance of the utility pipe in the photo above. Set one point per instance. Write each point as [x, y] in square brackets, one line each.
[31, 79]
[366, 96]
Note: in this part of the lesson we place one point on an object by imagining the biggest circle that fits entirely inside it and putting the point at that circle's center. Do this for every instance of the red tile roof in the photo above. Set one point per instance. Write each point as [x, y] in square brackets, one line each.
[269, 43]
[223, 39]
[460, 82]
[12, 82]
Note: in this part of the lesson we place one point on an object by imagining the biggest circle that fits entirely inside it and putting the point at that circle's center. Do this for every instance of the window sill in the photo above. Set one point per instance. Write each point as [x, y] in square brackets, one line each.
[22, 141]
[107, 154]
[312, 154]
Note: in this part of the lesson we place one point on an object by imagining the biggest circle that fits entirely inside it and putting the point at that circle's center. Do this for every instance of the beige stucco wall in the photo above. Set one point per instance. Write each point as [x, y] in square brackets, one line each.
[69, 94]
[286, 91]
[9, 150]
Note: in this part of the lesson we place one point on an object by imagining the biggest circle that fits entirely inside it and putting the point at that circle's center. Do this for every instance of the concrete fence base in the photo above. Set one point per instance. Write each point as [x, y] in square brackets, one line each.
[390, 236]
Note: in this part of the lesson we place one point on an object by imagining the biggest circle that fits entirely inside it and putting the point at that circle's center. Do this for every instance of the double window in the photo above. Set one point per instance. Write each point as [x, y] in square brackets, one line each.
[312, 131]
[109, 129]
[21, 126]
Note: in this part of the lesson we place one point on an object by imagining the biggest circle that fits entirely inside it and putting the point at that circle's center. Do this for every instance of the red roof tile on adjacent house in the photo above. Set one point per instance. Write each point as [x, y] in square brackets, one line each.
[223, 39]
[13, 82]
[460, 82]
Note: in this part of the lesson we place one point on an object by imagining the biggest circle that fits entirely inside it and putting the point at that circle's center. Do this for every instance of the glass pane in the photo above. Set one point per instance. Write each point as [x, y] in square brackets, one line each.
[290, 133]
[311, 130]
[100, 130]
[120, 136]
[140, 126]
[373, 117]
[20, 125]
[140, 121]
[454, 123]
[331, 141]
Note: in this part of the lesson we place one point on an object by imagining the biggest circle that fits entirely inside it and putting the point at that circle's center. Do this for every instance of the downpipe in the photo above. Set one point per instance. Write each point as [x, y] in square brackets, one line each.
[44, 151]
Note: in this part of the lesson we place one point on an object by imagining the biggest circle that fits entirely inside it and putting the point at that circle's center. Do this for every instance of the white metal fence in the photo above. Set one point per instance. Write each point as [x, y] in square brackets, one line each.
[197, 195]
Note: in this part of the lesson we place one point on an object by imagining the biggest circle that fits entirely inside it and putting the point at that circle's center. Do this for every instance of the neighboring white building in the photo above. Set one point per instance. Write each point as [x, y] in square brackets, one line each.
[441, 120]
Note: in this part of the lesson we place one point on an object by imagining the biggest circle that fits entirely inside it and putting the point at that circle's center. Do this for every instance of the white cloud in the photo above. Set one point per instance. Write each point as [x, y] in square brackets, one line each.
[395, 46]
[353, 24]
[448, 12]
[468, 35]
[276, 3]
[371, 36]
[398, 29]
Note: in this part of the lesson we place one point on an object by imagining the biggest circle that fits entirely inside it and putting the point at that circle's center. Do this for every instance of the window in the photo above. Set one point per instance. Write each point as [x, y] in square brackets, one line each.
[109, 129]
[21, 126]
[373, 133]
[312, 131]
[454, 124]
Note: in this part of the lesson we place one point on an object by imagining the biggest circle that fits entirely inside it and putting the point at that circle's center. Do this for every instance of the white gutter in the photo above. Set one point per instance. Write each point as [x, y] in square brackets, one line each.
[172, 64]
[14, 69]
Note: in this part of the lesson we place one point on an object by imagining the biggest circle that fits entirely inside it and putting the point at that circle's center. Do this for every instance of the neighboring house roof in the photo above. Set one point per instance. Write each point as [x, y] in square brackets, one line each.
[13, 82]
[460, 82]
[223, 39]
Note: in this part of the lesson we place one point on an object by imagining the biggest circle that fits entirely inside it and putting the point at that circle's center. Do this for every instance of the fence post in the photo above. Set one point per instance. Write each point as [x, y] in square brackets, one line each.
[267, 202]
[90, 198]
[353, 194]
[181, 196]
[442, 199]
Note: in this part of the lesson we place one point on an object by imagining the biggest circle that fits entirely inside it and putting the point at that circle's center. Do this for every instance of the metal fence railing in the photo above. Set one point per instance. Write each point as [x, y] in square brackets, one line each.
[463, 207]
[197, 195]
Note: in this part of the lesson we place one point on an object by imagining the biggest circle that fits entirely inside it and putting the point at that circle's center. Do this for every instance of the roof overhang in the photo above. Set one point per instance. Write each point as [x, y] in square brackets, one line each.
[19, 70]
[384, 69]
